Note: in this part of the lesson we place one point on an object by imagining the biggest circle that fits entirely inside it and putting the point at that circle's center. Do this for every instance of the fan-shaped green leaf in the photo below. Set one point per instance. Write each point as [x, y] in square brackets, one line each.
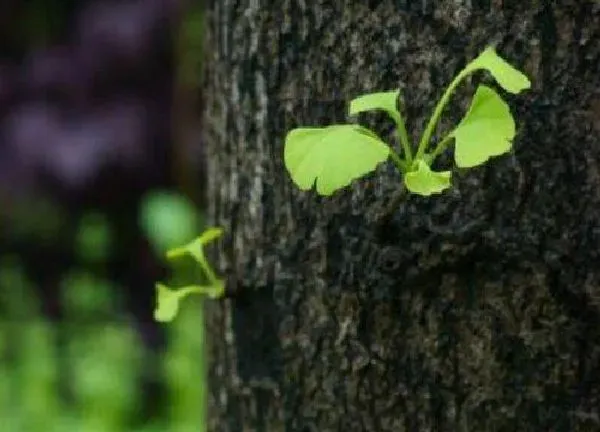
[210, 234]
[167, 303]
[423, 181]
[385, 101]
[486, 130]
[511, 79]
[167, 299]
[332, 156]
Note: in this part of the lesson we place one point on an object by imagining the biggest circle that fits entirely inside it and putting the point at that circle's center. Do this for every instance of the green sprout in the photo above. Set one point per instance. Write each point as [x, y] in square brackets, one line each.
[167, 299]
[335, 155]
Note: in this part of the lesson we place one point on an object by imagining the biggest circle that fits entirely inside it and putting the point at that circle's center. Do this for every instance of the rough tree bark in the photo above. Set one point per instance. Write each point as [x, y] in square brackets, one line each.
[478, 310]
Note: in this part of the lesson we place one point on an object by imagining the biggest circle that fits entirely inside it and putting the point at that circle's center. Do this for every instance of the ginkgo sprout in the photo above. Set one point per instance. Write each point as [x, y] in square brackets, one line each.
[167, 298]
[332, 157]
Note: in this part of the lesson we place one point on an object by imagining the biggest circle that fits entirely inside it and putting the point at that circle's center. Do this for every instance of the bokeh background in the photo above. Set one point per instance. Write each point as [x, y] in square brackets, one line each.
[100, 172]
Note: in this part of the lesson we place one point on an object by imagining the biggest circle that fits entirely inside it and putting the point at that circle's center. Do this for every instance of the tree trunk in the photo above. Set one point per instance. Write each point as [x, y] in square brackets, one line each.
[474, 310]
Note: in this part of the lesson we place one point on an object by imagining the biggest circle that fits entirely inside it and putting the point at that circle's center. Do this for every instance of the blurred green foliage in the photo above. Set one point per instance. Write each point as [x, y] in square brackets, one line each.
[93, 239]
[103, 361]
[33, 218]
[168, 220]
[85, 372]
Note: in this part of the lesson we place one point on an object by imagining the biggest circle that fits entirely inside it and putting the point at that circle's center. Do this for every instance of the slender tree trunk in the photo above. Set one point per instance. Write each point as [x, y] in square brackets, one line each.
[477, 310]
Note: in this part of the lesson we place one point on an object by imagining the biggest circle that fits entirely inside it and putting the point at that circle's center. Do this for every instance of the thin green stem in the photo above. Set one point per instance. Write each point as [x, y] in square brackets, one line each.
[400, 164]
[212, 291]
[403, 138]
[177, 252]
[435, 117]
[193, 289]
[198, 254]
[441, 146]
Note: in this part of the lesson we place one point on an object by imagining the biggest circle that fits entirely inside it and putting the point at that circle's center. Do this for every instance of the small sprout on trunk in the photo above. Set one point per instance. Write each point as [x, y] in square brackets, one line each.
[333, 156]
[167, 298]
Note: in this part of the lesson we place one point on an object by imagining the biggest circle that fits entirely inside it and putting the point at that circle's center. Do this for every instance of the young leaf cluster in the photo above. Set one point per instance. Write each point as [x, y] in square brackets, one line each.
[167, 298]
[332, 157]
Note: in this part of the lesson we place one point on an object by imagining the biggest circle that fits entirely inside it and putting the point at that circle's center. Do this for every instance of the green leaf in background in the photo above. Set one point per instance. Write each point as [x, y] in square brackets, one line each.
[99, 363]
[93, 238]
[385, 101]
[168, 219]
[425, 182]
[37, 374]
[332, 156]
[511, 79]
[185, 371]
[105, 364]
[85, 295]
[17, 292]
[486, 130]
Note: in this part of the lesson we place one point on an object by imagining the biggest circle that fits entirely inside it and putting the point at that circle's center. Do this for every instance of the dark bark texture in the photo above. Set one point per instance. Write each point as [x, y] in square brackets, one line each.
[476, 310]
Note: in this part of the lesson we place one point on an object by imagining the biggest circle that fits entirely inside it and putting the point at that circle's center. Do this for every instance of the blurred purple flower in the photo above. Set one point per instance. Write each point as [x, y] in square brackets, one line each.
[75, 149]
[6, 85]
[71, 116]
[55, 69]
[117, 31]
[30, 129]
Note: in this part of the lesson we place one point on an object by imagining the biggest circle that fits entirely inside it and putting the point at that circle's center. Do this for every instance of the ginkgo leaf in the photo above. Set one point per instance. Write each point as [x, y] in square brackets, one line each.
[168, 299]
[167, 303]
[210, 234]
[509, 78]
[332, 156]
[385, 101]
[423, 181]
[485, 131]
